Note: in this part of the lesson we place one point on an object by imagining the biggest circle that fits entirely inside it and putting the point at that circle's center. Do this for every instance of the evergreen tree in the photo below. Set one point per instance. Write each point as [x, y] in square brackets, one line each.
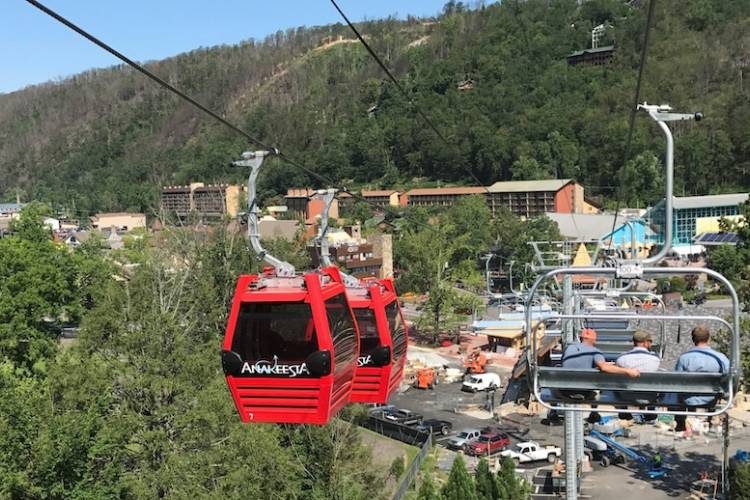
[739, 482]
[486, 482]
[510, 485]
[427, 490]
[460, 485]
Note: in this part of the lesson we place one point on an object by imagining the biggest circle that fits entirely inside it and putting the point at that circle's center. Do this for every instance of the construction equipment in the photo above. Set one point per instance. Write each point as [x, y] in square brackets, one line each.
[425, 379]
[616, 453]
[475, 362]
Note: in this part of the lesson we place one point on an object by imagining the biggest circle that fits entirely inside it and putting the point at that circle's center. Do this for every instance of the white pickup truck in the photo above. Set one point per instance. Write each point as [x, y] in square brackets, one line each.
[529, 451]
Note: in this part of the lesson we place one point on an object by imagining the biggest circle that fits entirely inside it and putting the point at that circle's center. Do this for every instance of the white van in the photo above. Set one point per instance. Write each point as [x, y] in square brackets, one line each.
[481, 382]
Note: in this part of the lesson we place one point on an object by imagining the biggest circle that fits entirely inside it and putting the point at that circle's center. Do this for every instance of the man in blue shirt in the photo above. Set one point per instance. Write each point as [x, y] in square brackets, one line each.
[701, 358]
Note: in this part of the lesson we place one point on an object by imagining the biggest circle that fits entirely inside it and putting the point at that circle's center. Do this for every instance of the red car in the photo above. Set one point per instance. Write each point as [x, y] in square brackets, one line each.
[488, 443]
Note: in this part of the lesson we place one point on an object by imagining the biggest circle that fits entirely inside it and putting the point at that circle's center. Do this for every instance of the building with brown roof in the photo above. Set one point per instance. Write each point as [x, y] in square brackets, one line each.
[533, 198]
[438, 197]
[124, 221]
[381, 198]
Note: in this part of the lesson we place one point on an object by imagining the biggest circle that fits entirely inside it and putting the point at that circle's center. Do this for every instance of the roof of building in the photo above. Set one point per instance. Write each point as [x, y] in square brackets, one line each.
[714, 200]
[447, 191]
[606, 48]
[117, 214]
[11, 207]
[376, 192]
[300, 192]
[583, 226]
[528, 186]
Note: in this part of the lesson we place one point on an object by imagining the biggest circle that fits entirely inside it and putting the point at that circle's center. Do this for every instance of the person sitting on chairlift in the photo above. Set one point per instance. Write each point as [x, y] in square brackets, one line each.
[700, 358]
[642, 358]
[584, 355]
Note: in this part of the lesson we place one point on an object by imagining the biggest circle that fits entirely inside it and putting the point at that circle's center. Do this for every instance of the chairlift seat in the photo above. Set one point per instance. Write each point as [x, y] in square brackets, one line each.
[691, 383]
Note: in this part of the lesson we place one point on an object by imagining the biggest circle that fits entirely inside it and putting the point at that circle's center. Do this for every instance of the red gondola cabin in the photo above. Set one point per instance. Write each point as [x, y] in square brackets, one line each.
[291, 348]
[383, 341]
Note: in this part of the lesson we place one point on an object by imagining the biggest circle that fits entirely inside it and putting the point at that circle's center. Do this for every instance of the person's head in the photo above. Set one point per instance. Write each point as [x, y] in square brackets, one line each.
[643, 339]
[700, 335]
[588, 336]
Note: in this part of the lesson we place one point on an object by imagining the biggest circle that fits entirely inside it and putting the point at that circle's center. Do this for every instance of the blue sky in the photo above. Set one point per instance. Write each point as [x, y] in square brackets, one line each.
[34, 48]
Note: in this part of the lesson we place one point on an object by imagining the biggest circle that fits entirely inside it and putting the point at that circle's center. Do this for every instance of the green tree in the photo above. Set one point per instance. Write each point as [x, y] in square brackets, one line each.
[739, 481]
[460, 485]
[30, 224]
[727, 261]
[511, 486]
[427, 490]
[486, 482]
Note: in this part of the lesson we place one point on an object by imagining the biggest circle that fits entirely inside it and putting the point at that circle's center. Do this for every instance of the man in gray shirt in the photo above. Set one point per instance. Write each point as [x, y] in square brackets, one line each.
[641, 358]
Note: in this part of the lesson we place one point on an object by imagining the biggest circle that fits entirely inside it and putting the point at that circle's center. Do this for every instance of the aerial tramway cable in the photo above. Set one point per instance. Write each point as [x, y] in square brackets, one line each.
[403, 91]
[254, 140]
[633, 110]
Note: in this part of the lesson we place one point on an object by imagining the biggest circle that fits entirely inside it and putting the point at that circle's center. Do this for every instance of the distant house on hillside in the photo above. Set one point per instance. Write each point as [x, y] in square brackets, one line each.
[592, 57]
[124, 221]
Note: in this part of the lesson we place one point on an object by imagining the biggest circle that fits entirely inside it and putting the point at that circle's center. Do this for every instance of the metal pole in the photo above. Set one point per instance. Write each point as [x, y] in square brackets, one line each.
[578, 414]
[487, 273]
[570, 425]
[725, 458]
[510, 275]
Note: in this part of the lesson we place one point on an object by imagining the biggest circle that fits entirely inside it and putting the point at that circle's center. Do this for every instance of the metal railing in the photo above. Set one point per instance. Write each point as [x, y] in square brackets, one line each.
[411, 472]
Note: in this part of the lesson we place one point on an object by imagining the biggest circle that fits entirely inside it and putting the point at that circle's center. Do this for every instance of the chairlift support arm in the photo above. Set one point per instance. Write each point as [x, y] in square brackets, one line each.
[254, 160]
[328, 196]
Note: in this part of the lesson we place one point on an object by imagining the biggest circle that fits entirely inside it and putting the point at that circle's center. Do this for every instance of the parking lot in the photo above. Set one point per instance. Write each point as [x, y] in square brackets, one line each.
[686, 458]
[447, 402]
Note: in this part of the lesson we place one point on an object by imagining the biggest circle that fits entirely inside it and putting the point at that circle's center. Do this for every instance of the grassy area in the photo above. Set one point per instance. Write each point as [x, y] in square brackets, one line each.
[716, 296]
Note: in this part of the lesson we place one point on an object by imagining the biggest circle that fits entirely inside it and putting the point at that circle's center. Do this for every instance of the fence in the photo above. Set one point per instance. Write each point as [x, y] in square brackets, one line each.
[413, 469]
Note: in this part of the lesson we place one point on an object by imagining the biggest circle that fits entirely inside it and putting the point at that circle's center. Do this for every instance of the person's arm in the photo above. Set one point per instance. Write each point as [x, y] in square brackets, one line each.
[608, 368]
[679, 367]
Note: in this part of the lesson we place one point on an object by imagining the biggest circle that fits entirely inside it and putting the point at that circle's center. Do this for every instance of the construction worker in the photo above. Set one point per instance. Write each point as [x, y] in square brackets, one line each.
[700, 358]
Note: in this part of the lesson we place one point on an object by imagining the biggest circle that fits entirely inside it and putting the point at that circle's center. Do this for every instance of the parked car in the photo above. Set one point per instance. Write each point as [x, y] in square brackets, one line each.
[405, 417]
[376, 409]
[460, 440]
[529, 451]
[481, 382]
[437, 426]
[488, 443]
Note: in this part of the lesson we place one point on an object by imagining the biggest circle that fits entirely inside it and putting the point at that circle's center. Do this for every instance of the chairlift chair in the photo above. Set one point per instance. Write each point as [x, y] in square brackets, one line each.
[576, 390]
[573, 389]
[291, 343]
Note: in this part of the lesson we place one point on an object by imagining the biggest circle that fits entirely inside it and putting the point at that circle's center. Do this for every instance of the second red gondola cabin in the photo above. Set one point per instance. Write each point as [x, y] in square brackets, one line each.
[383, 341]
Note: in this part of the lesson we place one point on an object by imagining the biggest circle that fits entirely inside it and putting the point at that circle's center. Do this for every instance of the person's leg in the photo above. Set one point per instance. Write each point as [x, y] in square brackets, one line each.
[680, 421]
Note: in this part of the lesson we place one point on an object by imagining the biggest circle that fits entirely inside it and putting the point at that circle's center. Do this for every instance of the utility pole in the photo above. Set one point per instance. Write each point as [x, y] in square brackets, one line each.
[571, 417]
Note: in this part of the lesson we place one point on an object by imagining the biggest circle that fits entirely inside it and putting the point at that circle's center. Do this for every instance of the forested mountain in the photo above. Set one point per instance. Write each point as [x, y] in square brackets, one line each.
[106, 139]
